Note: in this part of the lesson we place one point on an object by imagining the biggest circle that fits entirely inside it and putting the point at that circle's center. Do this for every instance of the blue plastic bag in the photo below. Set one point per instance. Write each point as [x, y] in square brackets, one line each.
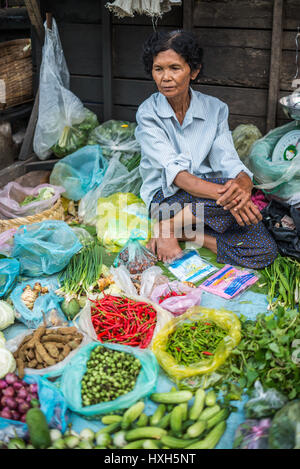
[80, 172]
[45, 248]
[52, 404]
[9, 271]
[70, 382]
[49, 304]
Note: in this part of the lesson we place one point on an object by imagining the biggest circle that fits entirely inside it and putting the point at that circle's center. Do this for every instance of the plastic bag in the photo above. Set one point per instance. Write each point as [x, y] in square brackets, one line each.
[116, 179]
[72, 375]
[52, 404]
[45, 248]
[46, 307]
[252, 434]
[7, 241]
[287, 239]
[244, 135]
[13, 195]
[120, 216]
[117, 137]
[63, 122]
[278, 179]
[176, 304]
[135, 257]
[9, 271]
[264, 403]
[222, 318]
[80, 172]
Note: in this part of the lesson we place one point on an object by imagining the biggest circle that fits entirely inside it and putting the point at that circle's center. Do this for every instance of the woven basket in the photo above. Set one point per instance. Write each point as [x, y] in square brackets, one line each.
[54, 213]
[15, 73]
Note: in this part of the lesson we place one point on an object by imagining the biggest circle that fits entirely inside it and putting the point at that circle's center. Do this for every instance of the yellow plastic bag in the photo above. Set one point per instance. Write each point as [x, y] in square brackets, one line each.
[120, 216]
[222, 318]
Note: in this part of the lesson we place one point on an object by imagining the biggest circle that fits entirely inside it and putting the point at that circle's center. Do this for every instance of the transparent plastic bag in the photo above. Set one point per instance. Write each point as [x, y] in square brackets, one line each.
[13, 194]
[52, 404]
[264, 403]
[252, 434]
[120, 216]
[9, 271]
[70, 382]
[63, 122]
[7, 242]
[117, 138]
[80, 172]
[277, 179]
[45, 248]
[46, 307]
[135, 257]
[176, 304]
[224, 319]
[116, 179]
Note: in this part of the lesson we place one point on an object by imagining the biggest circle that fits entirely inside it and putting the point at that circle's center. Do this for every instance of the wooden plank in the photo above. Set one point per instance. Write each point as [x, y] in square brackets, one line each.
[276, 53]
[107, 62]
[225, 37]
[291, 14]
[35, 18]
[14, 18]
[287, 70]
[253, 14]
[188, 10]
[74, 11]
[171, 18]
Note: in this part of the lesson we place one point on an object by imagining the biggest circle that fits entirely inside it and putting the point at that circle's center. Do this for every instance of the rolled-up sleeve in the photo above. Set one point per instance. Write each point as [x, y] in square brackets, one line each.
[223, 155]
[159, 153]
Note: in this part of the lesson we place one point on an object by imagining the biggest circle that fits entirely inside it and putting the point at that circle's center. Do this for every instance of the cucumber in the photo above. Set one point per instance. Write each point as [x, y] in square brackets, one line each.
[198, 404]
[177, 443]
[132, 414]
[146, 433]
[138, 444]
[150, 444]
[176, 419]
[158, 415]
[164, 422]
[39, 433]
[211, 398]
[196, 429]
[142, 421]
[209, 412]
[211, 440]
[184, 407]
[187, 424]
[213, 421]
[174, 397]
[109, 419]
[112, 428]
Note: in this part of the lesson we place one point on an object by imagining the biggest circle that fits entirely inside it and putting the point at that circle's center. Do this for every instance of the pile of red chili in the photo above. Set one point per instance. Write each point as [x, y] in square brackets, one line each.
[122, 320]
[170, 295]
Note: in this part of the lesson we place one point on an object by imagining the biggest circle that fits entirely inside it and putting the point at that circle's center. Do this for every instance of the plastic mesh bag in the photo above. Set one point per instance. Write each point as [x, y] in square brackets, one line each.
[279, 179]
[117, 138]
[9, 271]
[13, 196]
[224, 319]
[45, 248]
[121, 216]
[117, 178]
[80, 172]
[72, 375]
[63, 122]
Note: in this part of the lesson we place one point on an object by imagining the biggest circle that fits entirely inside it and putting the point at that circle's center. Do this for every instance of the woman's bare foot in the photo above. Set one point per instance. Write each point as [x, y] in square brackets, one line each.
[168, 249]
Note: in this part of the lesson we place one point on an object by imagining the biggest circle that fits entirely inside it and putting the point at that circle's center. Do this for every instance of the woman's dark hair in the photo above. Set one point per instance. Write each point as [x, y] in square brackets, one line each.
[184, 43]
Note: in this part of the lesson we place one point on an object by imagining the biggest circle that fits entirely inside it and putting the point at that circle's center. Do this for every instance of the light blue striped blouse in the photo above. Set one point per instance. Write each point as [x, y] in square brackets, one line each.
[203, 145]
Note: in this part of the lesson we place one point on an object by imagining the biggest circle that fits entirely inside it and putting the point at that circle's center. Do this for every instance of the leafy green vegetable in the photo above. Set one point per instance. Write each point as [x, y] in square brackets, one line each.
[43, 194]
[284, 429]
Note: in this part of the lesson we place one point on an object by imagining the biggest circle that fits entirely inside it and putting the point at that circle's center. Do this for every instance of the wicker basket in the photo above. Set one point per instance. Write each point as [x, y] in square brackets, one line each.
[54, 213]
[15, 73]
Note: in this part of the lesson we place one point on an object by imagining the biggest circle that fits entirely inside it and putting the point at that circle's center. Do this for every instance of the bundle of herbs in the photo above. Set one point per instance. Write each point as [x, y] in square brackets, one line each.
[268, 352]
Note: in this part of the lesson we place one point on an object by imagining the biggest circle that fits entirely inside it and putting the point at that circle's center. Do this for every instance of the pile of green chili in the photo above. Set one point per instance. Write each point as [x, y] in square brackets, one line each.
[193, 341]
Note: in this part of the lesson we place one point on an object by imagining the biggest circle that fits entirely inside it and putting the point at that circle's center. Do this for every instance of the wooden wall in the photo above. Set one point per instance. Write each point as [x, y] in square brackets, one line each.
[236, 36]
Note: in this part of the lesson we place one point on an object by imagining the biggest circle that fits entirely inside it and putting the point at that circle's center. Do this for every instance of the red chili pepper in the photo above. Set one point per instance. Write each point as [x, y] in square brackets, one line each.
[207, 353]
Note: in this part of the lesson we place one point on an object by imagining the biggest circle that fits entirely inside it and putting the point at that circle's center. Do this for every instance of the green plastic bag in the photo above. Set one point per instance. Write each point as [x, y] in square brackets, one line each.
[70, 383]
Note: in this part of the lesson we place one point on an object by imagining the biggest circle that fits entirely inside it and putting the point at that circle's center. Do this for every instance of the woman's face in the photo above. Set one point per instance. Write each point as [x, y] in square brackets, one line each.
[172, 74]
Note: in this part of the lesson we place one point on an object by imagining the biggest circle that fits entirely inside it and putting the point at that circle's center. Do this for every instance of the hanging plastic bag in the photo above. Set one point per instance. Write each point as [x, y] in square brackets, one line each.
[70, 383]
[63, 123]
[117, 138]
[80, 172]
[45, 248]
[226, 320]
[35, 303]
[252, 434]
[176, 297]
[120, 216]
[9, 271]
[135, 257]
[7, 242]
[277, 179]
[18, 201]
[52, 404]
[116, 179]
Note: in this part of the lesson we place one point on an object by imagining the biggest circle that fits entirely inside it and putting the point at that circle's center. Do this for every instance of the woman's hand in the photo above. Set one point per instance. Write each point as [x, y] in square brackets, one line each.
[236, 193]
[248, 215]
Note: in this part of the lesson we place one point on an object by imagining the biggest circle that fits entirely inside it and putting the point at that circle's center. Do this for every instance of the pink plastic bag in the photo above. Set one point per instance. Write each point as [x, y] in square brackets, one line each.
[13, 194]
[176, 304]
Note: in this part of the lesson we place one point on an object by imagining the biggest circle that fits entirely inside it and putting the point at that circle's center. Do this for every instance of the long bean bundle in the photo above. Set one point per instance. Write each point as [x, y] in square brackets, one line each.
[194, 341]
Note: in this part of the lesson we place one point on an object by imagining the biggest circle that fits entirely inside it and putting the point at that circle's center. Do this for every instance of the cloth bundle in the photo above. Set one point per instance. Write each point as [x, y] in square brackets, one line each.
[153, 8]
